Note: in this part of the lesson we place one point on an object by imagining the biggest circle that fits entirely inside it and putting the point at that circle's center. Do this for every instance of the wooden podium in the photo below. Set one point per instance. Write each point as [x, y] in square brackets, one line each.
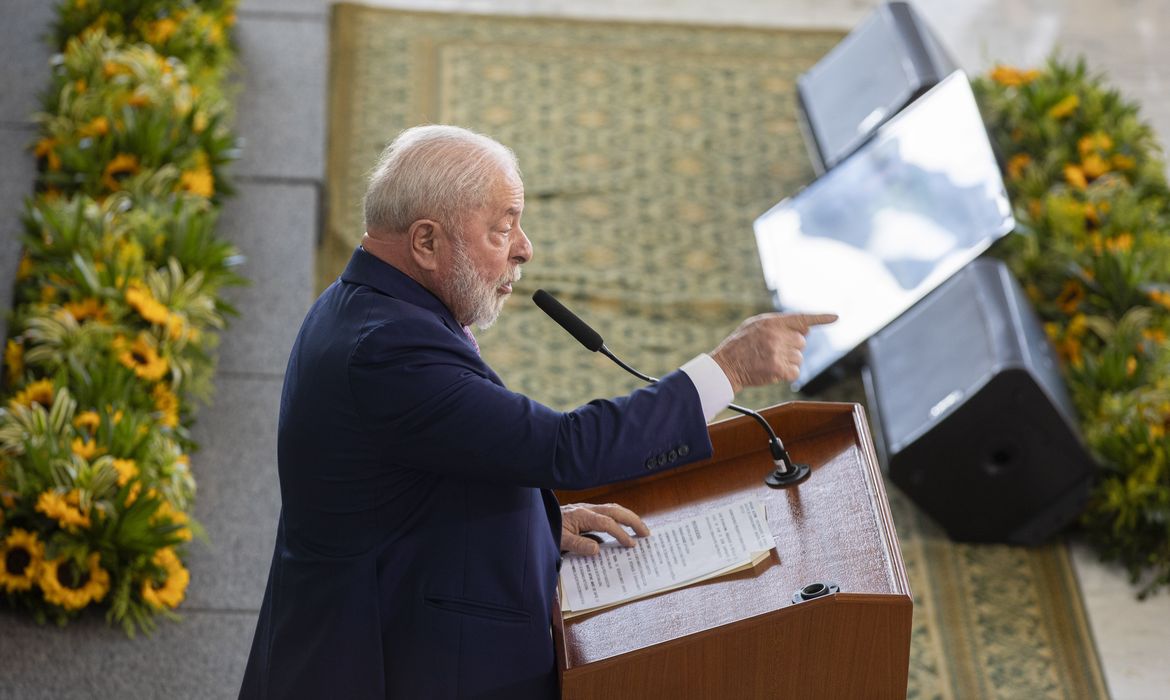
[742, 636]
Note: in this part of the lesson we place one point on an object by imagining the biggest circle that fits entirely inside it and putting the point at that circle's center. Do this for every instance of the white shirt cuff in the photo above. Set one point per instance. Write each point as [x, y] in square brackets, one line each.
[712, 384]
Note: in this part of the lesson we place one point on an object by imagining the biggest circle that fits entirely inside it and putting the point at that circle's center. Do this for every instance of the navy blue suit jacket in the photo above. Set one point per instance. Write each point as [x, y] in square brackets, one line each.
[418, 544]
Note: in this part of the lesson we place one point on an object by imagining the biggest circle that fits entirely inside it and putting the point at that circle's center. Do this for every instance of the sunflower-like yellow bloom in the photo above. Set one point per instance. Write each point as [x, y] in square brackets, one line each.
[86, 309]
[1016, 165]
[71, 589]
[88, 421]
[1065, 107]
[1161, 297]
[46, 148]
[13, 360]
[126, 469]
[121, 164]
[149, 308]
[86, 449]
[1094, 166]
[25, 270]
[1097, 141]
[40, 391]
[159, 31]
[21, 554]
[141, 357]
[1071, 296]
[1013, 77]
[64, 509]
[166, 403]
[1076, 176]
[174, 516]
[170, 591]
[198, 181]
[98, 126]
[1122, 243]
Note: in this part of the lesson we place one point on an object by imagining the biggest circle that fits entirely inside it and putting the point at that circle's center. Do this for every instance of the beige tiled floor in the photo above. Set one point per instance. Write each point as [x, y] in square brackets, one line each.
[1127, 39]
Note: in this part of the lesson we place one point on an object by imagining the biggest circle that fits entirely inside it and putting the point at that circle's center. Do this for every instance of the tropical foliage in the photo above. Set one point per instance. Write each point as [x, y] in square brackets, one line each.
[1092, 247]
[117, 308]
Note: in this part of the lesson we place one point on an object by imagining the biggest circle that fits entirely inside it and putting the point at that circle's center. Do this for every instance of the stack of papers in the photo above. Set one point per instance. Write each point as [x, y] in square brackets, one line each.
[727, 539]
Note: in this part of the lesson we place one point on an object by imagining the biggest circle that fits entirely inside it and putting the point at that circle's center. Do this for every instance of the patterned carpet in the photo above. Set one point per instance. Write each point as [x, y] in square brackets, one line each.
[647, 150]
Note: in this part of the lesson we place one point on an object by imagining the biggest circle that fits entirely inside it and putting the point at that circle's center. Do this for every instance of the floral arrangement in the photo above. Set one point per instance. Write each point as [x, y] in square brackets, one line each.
[1092, 247]
[117, 305]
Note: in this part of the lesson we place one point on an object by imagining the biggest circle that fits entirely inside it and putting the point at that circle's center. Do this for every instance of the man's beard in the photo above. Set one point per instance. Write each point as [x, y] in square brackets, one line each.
[473, 301]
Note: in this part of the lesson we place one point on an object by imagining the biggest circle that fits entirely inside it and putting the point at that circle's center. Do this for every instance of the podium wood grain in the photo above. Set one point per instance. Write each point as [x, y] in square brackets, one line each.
[741, 636]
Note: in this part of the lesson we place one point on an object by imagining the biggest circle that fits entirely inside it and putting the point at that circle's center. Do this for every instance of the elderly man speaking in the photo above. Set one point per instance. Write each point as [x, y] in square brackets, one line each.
[419, 542]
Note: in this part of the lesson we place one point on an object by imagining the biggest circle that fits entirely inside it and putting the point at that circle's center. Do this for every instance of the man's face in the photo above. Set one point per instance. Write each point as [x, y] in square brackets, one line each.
[487, 255]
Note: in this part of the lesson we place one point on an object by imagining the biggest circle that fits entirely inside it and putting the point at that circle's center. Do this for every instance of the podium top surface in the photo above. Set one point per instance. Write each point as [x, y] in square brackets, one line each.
[835, 528]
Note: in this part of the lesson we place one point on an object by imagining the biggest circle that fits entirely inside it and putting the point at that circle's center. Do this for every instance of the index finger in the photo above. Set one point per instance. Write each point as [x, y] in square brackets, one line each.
[625, 516]
[806, 321]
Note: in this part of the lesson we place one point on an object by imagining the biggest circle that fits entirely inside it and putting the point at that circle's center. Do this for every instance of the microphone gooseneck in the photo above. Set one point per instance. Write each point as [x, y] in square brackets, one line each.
[786, 473]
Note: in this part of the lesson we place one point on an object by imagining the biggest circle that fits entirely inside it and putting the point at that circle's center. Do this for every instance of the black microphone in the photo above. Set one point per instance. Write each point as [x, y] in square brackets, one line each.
[786, 472]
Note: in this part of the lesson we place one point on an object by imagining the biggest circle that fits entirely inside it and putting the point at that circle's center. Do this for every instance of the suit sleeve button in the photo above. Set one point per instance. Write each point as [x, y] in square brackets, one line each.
[661, 459]
[672, 455]
[650, 463]
[683, 450]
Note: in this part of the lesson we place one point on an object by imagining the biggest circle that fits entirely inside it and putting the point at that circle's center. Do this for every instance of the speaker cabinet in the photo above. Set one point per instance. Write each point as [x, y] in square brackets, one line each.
[977, 425]
[880, 67]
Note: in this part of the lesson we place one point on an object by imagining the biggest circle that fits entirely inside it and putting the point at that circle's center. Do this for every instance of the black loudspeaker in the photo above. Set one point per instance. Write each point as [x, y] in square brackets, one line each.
[976, 422]
[880, 67]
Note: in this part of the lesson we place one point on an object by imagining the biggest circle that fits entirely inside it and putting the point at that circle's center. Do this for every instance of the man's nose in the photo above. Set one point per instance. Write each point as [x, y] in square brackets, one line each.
[522, 250]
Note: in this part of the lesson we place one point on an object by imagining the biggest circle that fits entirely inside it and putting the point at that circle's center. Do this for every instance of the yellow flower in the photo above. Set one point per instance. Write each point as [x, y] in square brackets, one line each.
[1094, 166]
[21, 554]
[1123, 162]
[199, 121]
[88, 421]
[138, 99]
[149, 308]
[1155, 335]
[159, 31]
[1013, 77]
[122, 164]
[126, 469]
[132, 496]
[166, 403]
[65, 585]
[170, 590]
[1075, 176]
[1016, 165]
[1070, 296]
[98, 126]
[198, 181]
[13, 360]
[176, 327]
[174, 516]
[141, 357]
[1097, 141]
[86, 449]
[40, 391]
[79, 85]
[1130, 365]
[1065, 107]
[111, 68]
[45, 149]
[1121, 244]
[64, 509]
[26, 268]
[1159, 296]
[87, 308]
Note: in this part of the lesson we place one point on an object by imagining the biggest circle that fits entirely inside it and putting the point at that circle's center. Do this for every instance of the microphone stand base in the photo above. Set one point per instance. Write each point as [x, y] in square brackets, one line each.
[779, 480]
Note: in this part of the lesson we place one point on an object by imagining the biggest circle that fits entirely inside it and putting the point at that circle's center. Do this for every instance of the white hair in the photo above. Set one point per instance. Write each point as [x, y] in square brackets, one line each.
[435, 172]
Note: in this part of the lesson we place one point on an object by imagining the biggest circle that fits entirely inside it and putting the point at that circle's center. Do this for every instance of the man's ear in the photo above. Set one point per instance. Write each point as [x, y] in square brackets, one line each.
[424, 234]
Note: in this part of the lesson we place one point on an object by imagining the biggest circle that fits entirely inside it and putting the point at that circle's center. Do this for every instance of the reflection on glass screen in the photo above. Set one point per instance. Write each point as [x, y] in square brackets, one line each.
[890, 223]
